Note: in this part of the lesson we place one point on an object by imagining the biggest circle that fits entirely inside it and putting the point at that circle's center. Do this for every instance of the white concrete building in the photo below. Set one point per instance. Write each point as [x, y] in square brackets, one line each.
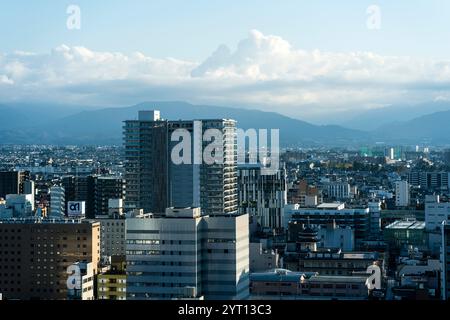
[339, 191]
[185, 255]
[57, 202]
[333, 236]
[17, 206]
[435, 212]
[227, 257]
[401, 193]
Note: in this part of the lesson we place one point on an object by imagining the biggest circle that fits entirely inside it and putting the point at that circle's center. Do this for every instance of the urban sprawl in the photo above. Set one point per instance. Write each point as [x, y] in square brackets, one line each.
[128, 223]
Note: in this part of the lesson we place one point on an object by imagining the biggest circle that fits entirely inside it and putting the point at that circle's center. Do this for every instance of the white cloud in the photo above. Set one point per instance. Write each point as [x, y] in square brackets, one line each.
[264, 71]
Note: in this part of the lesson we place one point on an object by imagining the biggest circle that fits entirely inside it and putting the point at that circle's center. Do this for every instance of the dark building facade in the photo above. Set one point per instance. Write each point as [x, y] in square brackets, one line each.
[95, 191]
[11, 182]
[35, 254]
[146, 163]
[80, 188]
[106, 188]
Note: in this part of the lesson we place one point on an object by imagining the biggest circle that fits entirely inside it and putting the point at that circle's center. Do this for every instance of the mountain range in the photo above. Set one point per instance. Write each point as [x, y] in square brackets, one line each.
[86, 125]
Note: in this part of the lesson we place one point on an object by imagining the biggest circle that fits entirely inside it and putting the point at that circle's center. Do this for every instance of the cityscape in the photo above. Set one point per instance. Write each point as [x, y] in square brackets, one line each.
[127, 223]
[262, 173]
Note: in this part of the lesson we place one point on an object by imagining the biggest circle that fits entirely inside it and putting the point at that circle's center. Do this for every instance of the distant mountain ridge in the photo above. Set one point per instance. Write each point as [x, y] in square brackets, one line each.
[371, 120]
[24, 124]
[104, 126]
[432, 128]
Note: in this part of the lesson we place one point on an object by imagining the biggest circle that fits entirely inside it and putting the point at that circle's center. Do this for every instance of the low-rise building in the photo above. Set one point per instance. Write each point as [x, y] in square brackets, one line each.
[335, 287]
[403, 233]
[282, 284]
[112, 284]
[356, 218]
[262, 258]
[331, 262]
[418, 279]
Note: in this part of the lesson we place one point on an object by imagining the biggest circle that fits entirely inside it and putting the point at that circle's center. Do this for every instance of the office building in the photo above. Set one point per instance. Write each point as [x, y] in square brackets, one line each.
[429, 180]
[436, 212]
[95, 190]
[262, 196]
[80, 188]
[164, 255]
[375, 219]
[106, 188]
[227, 257]
[112, 236]
[186, 255]
[335, 287]
[112, 230]
[35, 255]
[401, 193]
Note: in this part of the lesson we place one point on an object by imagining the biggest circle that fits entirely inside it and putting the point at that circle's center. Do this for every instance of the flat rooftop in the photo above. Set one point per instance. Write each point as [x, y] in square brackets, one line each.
[407, 224]
[37, 220]
[338, 279]
[279, 275]
[333, 206]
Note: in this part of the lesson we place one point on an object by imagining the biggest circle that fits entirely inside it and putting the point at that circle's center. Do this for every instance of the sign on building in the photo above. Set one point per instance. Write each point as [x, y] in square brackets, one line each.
[76, 208]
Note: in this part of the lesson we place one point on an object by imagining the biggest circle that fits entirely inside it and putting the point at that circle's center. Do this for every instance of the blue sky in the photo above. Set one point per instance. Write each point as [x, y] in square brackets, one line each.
[192, 29]
[314, 60]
